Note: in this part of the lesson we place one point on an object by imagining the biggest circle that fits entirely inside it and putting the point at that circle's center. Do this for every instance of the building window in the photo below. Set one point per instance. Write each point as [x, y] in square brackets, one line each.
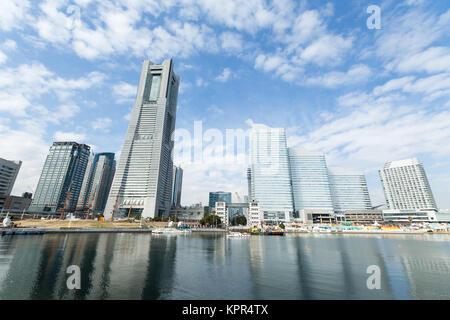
[155, 85]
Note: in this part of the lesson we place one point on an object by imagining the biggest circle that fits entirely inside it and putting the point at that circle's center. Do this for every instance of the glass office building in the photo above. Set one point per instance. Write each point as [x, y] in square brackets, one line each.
[8, 175]
[310, 182]
[97, 182]
[349, 190]
[64, 169]
[177, 183]
[219, 196]
[270, 173]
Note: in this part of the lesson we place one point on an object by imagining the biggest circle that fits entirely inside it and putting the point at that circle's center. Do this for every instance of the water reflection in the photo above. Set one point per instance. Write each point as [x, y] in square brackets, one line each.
[212, 266]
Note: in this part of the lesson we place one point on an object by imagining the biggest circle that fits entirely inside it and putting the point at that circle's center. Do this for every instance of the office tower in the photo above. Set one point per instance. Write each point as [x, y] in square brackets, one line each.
[349, 190]
[64, 168]
[270, 176]
[249, 184]
[406, 185]
[219, 196]
[8, 175]
[177, 181]
[310, 183]
[142, 184]
[97, 182]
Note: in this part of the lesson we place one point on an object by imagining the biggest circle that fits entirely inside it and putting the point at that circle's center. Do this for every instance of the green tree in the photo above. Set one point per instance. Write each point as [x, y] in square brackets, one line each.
[211, 220]
[239, 220]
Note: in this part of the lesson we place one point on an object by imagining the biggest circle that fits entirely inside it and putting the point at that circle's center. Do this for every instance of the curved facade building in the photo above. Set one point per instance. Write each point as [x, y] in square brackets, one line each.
[349, 190]
[310, 182]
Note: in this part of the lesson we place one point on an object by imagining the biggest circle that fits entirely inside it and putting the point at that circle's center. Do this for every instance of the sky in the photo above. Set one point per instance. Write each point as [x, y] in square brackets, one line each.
[364, 96]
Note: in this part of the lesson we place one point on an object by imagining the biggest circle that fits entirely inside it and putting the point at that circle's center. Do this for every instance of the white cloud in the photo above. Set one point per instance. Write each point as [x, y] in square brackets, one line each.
[3, 57]
[327, 50]
[29, 82]
[13, 14]
[231, 41]
[226, 74]
[125, 91]
[69, 136]
[356, 74]
[102, 124]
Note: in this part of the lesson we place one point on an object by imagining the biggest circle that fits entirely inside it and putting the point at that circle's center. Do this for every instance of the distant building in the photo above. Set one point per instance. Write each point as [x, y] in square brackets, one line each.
[363, 216]
[270, 174]
[218, 196]
[14, 203]
[97, 182]
[406, 186]
[254, 219]
[349, 190]
[8, 175]
[177, 183]
[143, 180]
[64, 169]
[406, 216]
[310, 181]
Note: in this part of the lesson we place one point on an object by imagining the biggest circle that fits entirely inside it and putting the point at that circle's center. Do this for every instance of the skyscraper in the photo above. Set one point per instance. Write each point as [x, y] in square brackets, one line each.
[97, 182]
[8, 175]
[310, 182]
[270, 174]
[177, 183]
[219, 196]
[64, 168]
[349, 190]
[406, 185]
[143, 180]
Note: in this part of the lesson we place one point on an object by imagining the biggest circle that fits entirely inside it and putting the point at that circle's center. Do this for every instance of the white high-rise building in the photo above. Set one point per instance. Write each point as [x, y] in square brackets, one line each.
[348, 190]
[310, 183]
[8, 175]
[270, 175]
[406, 185]
[143, 179]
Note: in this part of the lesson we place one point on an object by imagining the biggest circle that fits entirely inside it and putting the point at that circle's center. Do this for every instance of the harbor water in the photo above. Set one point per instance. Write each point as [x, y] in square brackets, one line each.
[214, 266]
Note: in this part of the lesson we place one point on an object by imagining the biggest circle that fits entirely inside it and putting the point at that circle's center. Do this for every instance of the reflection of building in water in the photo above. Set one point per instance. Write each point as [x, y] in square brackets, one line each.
[128, 268]
[17, 253]
[158, 281]
[101, 278]
[425, 276]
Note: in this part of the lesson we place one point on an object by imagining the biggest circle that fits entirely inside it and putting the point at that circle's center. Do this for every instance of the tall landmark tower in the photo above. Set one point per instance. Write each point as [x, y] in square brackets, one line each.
[142, 184]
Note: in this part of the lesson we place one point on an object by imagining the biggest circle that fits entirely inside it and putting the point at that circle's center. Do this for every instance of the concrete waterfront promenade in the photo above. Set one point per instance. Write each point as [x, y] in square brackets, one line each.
[93, 226]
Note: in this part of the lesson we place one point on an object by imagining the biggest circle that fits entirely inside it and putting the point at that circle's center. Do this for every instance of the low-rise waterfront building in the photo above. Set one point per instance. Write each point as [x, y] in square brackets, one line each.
[409, 215]
[15, 203]
[363, 216]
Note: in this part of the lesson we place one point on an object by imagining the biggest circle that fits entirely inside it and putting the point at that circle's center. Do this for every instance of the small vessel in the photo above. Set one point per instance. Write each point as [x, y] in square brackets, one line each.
[19, 232]
[170, 231]
[237, 235]
[274, 233]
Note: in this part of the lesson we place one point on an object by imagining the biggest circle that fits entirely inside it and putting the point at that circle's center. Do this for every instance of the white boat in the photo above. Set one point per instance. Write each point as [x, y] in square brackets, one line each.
[238, 235]
[169, 231]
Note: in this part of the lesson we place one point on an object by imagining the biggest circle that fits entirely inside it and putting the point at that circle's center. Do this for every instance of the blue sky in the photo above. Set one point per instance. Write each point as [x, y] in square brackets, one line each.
[69, 71]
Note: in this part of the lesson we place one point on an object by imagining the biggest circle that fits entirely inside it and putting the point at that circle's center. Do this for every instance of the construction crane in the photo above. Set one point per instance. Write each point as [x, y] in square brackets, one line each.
[114, 209]
[90, 204]
[66, 202]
